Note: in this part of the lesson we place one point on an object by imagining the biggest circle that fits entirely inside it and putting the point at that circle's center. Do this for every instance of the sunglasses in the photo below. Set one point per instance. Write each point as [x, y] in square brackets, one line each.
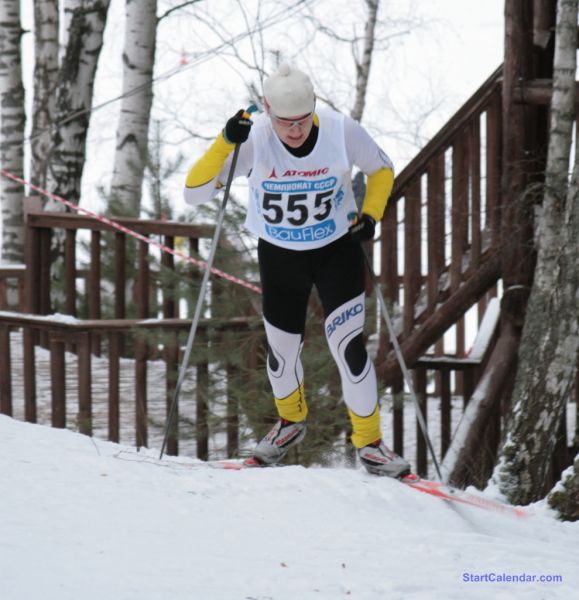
[291, 123]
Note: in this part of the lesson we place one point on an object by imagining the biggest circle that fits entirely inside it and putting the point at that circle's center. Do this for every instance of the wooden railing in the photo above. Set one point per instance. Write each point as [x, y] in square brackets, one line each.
[443, 221]
[155, 363]
[40, 264]
[127, 400]
[439, 247]
[141, 324]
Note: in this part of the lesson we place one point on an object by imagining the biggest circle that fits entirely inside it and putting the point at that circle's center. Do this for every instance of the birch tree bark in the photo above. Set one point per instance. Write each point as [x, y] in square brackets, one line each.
[46, 50]
[363, 65]
[548, 351]
[74, 100]
[12, 119]
[132, 133]
[69, 7]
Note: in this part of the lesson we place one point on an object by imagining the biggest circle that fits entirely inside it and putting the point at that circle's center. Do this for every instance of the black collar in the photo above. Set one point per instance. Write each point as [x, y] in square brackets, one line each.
[307, 146]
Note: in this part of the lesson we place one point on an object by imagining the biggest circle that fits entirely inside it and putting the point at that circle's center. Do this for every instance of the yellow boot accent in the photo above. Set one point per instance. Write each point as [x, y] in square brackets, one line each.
[366, 429]
[293, 407]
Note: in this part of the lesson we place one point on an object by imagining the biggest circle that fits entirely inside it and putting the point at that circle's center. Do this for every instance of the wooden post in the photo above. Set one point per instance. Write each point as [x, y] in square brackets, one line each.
[170, 343]
[94, 286]
[141, 347]
[29, 361]
[58, 382]
[421, 454]
[232, 411]
[114, 386]
[120, 277]
[45, 277]
[475, 192]
[493, 168]
[32, 270]
[3, 295]
[83, 341]
[398, 416]
[5, 372]
[169, 288]
[120, 288]
[459, 233]
[412, 250]
[141, 428]
[436, 228]
[518, 155]
[202, 410]
[171, 356]
[143, 282]
[389, 267]
[436, 241]
[70, 272]
[445, 412]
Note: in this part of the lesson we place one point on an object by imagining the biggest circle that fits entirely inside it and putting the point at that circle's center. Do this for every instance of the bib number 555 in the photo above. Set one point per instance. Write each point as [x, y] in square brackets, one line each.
[275, 207]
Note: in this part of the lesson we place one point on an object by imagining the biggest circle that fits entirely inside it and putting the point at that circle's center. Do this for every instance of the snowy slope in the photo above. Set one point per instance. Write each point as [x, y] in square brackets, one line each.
[81, 518]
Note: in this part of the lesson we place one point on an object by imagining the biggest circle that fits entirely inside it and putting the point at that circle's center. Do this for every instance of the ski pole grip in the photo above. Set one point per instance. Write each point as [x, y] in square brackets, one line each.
[249, 111]
[353, 217]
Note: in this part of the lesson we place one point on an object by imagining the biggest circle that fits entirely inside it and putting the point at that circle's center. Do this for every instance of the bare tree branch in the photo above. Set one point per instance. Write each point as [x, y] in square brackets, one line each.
[176, 8]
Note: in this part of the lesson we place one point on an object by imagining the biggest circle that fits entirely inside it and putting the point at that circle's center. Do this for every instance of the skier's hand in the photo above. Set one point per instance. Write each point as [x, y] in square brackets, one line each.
[363, 229]
[237, 129]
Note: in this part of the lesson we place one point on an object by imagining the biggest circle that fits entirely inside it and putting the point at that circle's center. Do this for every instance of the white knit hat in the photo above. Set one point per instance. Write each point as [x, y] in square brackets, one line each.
[289, 92]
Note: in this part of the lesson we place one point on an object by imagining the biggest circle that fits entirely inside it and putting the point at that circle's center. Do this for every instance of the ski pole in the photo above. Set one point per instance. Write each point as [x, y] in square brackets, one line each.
[401, 361]
[201, 297]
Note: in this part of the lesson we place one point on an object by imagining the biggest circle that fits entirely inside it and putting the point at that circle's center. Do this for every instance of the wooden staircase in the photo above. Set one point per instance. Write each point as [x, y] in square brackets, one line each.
[439, 243]
[459, 231]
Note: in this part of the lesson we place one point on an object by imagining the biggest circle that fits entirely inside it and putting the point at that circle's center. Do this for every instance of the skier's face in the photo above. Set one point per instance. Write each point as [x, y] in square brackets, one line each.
[292, 131]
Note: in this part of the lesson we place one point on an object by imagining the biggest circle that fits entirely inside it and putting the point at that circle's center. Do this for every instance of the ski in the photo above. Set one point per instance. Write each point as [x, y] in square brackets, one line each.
[232, 464]
[451, 494]
[228, 464]
[433, 488]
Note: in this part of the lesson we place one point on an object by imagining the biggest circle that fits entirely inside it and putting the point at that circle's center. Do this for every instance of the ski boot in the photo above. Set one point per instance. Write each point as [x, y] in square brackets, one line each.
[380, 460]
[283, 436]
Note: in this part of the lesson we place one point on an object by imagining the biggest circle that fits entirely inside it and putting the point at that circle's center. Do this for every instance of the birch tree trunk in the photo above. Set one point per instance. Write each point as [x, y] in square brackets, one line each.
[548, 351]
[74, 100]
[364, 64]
[46, 50]
[69, 8]
[132, 133]
[12, 119]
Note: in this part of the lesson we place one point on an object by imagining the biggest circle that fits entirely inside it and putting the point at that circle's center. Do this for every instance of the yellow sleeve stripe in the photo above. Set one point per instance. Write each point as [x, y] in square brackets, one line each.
[378, 189]
[210, 164]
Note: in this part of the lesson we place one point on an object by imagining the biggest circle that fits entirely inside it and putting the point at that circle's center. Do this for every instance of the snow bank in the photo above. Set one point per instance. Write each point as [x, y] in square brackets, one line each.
[88, 519]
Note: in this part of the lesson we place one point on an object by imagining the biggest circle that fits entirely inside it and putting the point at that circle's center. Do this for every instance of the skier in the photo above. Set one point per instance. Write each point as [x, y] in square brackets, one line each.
[298, 161]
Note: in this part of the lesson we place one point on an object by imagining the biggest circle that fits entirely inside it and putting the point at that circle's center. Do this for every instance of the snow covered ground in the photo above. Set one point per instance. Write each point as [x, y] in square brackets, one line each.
[82, 518]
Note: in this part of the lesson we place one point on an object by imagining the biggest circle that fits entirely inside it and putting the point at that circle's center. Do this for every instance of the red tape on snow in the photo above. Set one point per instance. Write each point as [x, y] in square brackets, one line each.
[138, 236]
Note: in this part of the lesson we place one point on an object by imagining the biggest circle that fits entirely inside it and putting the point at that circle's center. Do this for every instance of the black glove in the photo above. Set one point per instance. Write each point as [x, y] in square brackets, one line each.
[363, 229]
[237, 129]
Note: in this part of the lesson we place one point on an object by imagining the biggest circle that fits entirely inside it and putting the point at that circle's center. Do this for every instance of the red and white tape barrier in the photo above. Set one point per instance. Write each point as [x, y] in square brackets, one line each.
[138, 236]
